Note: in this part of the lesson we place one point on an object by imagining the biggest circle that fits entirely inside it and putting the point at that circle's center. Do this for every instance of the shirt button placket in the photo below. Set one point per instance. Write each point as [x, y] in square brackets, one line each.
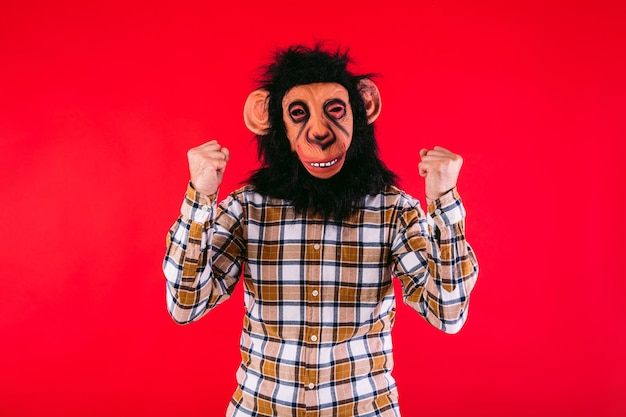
[312, 314]
[315, 292]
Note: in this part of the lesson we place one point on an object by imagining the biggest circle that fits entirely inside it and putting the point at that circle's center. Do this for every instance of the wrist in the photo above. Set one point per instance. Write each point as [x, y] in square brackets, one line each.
[206, 192]
[431, 197]
[200, 196]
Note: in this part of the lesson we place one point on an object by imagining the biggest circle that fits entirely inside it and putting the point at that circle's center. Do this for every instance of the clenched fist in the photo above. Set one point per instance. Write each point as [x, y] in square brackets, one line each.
[440, 168]
[207, 163]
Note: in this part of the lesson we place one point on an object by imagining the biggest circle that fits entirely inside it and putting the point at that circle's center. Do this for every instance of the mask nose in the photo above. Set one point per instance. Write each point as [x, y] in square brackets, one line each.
[319, 133]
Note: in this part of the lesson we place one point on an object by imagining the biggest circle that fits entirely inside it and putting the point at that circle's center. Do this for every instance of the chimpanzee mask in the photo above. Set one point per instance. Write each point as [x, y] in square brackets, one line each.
[312, 115]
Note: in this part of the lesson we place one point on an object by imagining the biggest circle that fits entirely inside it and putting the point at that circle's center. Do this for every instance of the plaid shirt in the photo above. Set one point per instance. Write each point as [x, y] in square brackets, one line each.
[319, 297]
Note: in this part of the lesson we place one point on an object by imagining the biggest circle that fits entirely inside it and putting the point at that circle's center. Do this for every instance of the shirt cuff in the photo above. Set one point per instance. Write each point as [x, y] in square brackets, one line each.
[198, 207]
[446, 210]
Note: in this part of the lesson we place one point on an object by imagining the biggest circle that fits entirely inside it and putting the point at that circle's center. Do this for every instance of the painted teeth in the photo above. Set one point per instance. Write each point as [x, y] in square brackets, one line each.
[324, 164]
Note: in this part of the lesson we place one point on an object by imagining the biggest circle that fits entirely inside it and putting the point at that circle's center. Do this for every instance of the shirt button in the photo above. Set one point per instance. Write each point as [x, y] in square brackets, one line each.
[311, 385]
[314, 293]
[314, 338]
[316, 246]
[438, 212]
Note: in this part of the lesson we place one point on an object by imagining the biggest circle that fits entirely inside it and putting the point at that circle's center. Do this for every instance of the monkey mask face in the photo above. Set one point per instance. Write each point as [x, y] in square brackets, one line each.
[318, 121]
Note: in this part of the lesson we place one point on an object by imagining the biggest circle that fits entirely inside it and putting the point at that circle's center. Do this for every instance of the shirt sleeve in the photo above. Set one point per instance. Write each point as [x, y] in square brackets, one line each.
[202, 262]
[437, 267]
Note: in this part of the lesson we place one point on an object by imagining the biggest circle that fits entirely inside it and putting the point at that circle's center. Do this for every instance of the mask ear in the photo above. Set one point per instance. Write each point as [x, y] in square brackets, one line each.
[255, 113]
[371, 98]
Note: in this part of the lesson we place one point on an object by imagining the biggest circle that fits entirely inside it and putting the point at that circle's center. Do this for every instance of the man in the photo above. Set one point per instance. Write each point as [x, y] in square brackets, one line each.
[319, 232]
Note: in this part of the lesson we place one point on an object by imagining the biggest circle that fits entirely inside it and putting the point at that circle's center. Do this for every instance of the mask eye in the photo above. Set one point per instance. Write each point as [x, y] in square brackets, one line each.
[335, 109]
[298, 112]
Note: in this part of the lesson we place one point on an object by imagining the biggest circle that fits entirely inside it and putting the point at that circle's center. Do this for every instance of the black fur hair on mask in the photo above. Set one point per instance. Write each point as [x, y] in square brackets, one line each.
[282, 175]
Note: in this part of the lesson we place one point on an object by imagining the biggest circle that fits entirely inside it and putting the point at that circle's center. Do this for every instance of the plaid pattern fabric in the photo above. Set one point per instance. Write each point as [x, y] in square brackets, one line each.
[319, 299]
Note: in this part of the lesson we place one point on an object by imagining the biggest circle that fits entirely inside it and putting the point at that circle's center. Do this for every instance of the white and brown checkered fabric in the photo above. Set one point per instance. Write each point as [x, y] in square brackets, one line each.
[319, 298]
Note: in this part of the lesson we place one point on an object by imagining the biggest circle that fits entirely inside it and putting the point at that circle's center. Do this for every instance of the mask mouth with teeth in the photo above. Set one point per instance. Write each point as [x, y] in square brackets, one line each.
[324, 164]
[325, 169]
[313, 120]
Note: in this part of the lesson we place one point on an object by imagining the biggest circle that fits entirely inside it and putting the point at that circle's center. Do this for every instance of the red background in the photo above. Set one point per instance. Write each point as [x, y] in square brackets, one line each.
[99, 103]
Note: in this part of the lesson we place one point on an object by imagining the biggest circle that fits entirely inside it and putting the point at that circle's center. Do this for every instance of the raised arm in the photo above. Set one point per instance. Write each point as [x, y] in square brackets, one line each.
[437, 267]
[202, 261]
